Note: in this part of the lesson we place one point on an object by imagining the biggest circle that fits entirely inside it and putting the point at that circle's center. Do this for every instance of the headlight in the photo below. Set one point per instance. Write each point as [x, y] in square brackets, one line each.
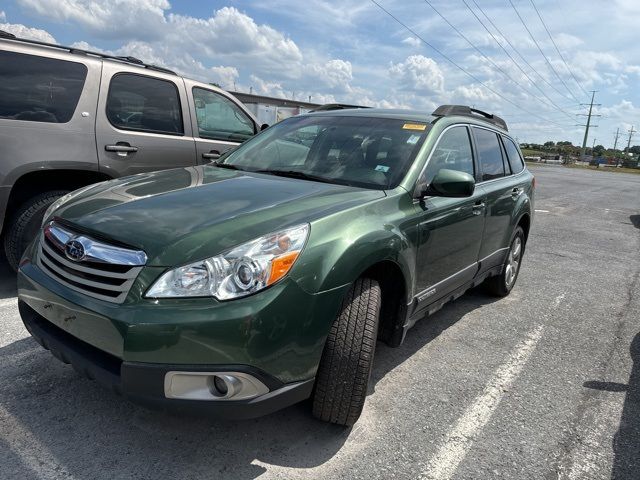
[241, 271]
[63, 199]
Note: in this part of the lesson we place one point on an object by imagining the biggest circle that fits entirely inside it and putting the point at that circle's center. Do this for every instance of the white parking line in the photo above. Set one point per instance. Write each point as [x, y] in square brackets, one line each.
[541, 211]
[458, 441]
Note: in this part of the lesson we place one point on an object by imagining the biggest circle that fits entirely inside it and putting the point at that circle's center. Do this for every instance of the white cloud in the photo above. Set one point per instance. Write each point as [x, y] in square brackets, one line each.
[139, 19]
[419, 73]
[224, 76]
[412, 42]
[22, 31]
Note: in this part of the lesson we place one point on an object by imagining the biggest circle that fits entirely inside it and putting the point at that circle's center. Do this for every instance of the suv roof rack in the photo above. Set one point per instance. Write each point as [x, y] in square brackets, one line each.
[124, 59]
[334, 106]
[466, 111]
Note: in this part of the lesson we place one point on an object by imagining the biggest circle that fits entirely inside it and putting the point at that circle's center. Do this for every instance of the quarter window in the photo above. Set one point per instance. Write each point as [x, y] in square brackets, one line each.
[219, 118]
[453, 152]
[145, 104]
[38, 89]
[489, 154]
[513, 155]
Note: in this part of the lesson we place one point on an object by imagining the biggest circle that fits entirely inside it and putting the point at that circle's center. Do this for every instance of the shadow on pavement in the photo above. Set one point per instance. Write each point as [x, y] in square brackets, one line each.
[79, 428]
[626, 443]
[7, 280]
[635, 219]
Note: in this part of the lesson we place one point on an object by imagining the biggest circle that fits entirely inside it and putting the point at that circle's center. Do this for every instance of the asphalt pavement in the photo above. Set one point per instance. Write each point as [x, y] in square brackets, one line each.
[542, 384]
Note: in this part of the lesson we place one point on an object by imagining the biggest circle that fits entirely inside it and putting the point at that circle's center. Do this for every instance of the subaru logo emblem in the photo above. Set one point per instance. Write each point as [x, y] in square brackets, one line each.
[74, 250]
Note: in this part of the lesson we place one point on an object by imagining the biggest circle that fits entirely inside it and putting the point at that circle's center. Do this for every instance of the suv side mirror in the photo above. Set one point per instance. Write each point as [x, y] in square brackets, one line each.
[451, 183]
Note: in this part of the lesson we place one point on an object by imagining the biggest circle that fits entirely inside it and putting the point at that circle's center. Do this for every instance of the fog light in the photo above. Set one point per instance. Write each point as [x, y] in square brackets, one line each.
[225, 386]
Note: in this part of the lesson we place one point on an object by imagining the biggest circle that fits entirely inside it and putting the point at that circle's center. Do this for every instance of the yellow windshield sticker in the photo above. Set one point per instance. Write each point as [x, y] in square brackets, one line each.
[414, 126]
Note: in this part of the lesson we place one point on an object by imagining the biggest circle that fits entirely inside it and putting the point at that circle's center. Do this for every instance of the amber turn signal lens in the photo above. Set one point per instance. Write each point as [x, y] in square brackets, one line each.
[281, 265]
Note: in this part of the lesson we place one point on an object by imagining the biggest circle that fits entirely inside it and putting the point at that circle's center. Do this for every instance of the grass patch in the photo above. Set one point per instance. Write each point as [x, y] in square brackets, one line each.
[607, 169]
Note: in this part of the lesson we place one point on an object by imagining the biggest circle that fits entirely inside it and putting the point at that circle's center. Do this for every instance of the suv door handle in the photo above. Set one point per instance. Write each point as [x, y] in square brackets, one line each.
[478, 207]
[516, 192]
[212, 155]
[121, 148]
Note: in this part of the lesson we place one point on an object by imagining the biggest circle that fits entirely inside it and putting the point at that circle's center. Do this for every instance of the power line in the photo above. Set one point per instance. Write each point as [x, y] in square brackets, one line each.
[557, 49]
[506, 39]
[514, 61]
[541, 52]
[495, 92]
[500, 69]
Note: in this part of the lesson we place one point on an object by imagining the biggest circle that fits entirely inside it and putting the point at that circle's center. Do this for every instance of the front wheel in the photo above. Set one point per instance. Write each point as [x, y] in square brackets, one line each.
[345, 367]
[501, 285]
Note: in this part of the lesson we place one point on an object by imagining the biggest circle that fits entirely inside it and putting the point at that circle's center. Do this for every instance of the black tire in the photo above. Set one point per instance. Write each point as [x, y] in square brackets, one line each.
[25, 223]
[501, 285]
[345, 367]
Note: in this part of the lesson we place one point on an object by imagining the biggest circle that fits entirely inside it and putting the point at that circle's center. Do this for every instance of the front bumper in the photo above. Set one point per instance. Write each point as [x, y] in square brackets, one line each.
[143, 383]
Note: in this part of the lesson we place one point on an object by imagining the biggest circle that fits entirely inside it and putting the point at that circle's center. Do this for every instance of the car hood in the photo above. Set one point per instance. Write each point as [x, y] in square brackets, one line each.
[183, 215]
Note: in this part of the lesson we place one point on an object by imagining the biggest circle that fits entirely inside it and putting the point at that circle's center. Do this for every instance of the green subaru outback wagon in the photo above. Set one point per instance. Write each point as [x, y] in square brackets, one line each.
[240, 287]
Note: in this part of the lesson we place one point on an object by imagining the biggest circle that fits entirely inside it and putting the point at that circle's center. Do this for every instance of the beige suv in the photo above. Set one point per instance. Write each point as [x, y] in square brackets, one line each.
[70, 118]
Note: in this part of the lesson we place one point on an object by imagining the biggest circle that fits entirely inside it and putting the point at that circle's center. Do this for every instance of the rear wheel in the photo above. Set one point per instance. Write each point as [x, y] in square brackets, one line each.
[345, 367]
[501, 285]
[25, 224]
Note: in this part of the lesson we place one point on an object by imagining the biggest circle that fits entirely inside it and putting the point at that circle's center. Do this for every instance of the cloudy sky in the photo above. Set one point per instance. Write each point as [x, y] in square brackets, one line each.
[354, 52]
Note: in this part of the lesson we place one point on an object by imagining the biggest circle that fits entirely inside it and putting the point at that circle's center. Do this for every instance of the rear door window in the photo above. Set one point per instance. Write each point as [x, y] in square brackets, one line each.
[39, 89]
[145, 104]
[489, 154]
[513, 155]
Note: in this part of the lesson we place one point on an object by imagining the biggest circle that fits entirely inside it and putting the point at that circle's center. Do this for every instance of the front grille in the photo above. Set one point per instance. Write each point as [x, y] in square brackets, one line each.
[104, 271]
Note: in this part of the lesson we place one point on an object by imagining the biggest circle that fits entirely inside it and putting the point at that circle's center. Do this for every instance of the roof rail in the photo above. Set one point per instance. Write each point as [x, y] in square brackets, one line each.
[124, 59]
[466, 111]
[334, 106]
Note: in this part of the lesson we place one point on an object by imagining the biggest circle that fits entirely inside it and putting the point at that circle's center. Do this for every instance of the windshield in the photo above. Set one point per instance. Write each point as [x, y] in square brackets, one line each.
[358, 151]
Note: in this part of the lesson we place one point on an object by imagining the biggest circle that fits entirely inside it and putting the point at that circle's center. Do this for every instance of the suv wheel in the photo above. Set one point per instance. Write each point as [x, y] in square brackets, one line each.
[25, 224]
[345, 367]
[501, 285]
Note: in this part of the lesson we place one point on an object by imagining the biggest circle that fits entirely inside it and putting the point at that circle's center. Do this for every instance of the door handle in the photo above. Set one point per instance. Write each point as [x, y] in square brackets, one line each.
[516, 192]
[478, 207]
[121, 148]
[212, 155]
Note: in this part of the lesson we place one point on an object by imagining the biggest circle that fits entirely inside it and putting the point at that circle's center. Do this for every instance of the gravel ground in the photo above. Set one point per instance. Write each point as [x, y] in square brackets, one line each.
[542, 384]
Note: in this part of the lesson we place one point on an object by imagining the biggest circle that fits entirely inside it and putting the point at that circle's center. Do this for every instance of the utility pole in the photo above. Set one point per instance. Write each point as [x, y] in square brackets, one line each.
[588, 125]
[615, 143]
[631, 132]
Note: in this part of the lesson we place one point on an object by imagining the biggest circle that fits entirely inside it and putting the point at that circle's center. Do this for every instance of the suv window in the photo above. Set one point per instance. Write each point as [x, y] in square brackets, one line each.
[219, 118]
[453, 152]
[513, 155]
[489, 154]
[39, 89]
[144, 104]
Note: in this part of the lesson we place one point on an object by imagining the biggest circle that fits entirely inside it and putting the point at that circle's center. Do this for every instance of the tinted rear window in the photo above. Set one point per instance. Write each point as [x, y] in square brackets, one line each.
[489, 154]
[513, 155]
[39, 89]
[146, 104]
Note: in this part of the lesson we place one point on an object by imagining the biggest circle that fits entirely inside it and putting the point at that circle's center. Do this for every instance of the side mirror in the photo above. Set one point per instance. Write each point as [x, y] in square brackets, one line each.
[451, 183]
[264, 126]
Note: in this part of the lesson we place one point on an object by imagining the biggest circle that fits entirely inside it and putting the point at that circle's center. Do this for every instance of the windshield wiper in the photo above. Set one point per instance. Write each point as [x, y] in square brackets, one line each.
[226, 165]
[295, 174]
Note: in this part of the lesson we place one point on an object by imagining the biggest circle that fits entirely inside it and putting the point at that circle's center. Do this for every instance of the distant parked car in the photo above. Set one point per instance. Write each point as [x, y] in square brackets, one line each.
[70, 118]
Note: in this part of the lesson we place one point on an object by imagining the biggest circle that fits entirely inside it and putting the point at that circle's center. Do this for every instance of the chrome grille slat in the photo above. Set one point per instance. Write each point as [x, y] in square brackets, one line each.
[76, 266]
[86, 275]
